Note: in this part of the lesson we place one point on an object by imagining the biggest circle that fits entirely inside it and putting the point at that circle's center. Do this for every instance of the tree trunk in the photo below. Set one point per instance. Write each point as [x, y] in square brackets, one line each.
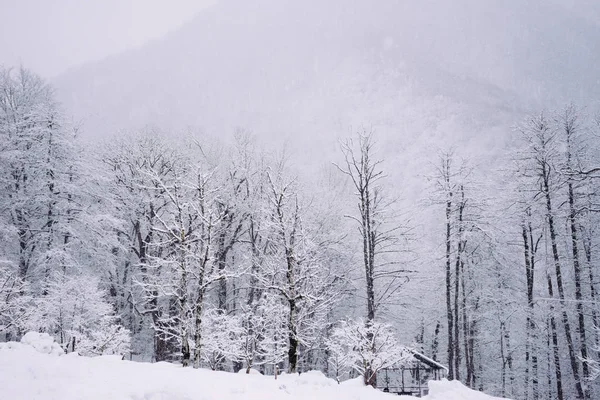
[457, 278]
[506, 355]
[292, 339]
[436, 341]
[528, 271]
[368, 241]
[471, 360]
[198, 309]
[183, 306]
[291, 292]
[222, 291]
[555, 350]
[23, 259]
[465, 327]
[369, 259]
[457, 281]
[559, 285]
[503, 357]
[587, 246]
[531, 362]
[578, 293]
[449, 313]
[509, 361]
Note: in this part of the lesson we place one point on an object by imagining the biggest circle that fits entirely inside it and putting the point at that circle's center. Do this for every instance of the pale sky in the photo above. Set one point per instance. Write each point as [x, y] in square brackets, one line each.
[50, 36]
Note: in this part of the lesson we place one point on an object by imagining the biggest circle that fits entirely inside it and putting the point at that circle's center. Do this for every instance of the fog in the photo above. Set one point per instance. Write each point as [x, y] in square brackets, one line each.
[290, 69]
[53, 36]
[127, 167]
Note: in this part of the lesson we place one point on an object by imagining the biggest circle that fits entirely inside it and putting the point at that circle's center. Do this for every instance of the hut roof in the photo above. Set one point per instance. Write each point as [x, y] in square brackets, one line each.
[426, 360]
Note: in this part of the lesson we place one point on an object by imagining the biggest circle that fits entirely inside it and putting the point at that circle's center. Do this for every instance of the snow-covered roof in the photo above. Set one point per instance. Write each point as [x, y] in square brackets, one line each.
[428, 361]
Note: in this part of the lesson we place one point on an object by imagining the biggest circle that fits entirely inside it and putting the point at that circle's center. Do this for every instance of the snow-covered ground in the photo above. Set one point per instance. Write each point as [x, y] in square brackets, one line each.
[33, 369]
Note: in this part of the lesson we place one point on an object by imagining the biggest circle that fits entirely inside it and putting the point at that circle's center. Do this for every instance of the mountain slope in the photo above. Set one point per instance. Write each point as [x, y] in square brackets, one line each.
[415, 71]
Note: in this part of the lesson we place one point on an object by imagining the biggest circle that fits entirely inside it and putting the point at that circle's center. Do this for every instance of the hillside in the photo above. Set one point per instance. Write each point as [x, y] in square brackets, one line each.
[420, 73]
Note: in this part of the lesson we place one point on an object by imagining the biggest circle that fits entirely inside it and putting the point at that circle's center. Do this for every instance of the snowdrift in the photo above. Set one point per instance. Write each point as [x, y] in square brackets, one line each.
[33, 369]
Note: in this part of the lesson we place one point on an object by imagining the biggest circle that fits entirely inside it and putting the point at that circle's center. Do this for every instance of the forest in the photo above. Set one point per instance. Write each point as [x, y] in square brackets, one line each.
[222, 254]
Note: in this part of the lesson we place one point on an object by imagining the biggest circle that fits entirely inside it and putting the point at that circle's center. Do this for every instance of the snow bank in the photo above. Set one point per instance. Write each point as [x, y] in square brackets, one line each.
[40, 342]
[43, 343]
[454, 390]
[31, 370]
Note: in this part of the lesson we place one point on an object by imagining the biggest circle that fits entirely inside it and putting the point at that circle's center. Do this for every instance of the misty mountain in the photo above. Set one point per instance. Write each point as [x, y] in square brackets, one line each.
[306, 72]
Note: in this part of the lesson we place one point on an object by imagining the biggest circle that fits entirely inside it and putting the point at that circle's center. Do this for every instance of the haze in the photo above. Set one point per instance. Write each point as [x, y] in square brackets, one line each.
[52, 36]
[347, 186]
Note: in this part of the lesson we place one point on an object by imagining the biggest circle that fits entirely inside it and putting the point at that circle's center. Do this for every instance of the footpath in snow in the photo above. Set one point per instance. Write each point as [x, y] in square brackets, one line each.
[36, 369]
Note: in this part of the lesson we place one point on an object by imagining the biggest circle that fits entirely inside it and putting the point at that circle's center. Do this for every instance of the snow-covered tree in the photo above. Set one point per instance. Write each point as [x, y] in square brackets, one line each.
[371, 347]
[49, 218]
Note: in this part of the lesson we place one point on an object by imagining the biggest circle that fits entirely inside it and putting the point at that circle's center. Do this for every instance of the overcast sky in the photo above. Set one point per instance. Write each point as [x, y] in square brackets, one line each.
[50, 36]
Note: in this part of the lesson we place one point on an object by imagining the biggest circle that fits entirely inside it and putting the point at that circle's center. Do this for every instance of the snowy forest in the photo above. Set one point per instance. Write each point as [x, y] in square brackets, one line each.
[222, 254]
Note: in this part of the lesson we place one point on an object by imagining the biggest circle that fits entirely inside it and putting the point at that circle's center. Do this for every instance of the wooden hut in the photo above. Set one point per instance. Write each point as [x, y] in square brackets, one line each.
[411, 377]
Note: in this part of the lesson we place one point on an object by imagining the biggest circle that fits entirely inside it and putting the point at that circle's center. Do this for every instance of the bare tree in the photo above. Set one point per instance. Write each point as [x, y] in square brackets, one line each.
[543, 153]
[379, 238]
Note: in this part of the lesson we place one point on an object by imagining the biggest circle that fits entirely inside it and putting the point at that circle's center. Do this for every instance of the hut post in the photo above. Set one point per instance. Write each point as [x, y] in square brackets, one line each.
[402, 369]
[418, 380]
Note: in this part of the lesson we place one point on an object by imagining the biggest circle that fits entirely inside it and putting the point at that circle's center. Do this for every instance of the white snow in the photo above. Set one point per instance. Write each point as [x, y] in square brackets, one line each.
[454, 390]
[33, 370]
[40, 342]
